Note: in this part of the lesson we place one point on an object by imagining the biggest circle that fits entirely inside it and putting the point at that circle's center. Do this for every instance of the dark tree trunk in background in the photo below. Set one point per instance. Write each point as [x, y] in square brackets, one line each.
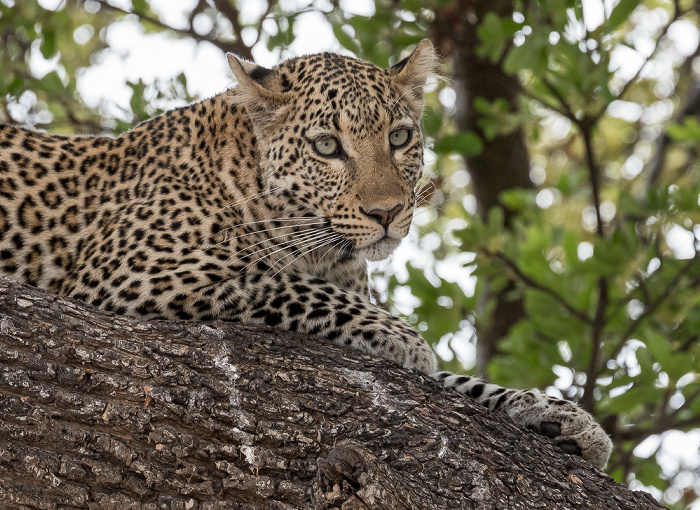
[504, 162]
[102, 411]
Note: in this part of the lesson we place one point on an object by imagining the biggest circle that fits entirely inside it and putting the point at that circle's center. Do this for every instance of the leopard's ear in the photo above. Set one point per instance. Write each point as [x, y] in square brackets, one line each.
[259, 89]
[410, 74]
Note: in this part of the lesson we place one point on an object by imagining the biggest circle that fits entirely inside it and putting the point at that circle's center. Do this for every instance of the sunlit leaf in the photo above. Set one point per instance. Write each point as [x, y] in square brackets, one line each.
[467, 143]
[621, 13]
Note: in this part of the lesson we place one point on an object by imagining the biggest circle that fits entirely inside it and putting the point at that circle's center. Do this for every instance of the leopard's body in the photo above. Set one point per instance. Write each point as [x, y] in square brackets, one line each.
[261, 204]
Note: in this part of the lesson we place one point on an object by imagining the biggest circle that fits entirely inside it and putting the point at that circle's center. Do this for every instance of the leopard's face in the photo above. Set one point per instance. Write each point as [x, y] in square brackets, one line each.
[351, 159]
[342, 143]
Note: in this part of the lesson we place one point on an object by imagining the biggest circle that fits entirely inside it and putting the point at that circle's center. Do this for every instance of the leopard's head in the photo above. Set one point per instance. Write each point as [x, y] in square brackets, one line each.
[340, 139]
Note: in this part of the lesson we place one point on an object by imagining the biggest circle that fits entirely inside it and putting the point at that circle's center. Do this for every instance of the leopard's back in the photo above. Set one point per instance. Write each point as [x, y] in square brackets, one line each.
[44, 207]
[82, 215]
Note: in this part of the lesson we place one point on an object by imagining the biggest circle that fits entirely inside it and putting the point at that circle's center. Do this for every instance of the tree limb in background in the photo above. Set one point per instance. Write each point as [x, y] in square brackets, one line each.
[237, 46]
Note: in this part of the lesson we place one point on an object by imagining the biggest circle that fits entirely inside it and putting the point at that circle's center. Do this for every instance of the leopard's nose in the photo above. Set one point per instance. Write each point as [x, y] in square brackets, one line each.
[383, 216]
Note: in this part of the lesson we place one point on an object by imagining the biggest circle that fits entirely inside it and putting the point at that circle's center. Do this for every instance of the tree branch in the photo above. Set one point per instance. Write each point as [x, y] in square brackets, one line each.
[230, 12]
[677, 13]
[638, 434]
[587, 400]
[691, 106]
[524, 91]
[504, 162]
[669, 290]
[98, 410]
[542, 288]
[234, 47]
[564, 109]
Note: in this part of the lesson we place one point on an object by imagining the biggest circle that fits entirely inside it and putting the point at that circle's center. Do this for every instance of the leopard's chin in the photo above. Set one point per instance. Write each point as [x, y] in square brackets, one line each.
[378, 250]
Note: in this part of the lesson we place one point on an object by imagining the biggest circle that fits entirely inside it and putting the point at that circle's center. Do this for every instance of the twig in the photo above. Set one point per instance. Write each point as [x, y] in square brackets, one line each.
[587, 400]
[670, 289]
[236, 47]
[691, 106]
[568, 112]
[228, 10]
[538, 286]
[531, 95]
[677, 13]
[270, 5]
[636, 433]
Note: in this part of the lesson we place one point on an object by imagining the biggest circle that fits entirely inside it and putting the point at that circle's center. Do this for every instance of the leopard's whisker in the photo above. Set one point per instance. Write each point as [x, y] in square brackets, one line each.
[337, 243]
[317, 221]
[257, 232]
[314, 246]
[271, 239]
[423, 192]
[288, 219]
[299, 251]
[297, 237]
[420, 196]
[254, 232]
[294, 237]
[294, 245]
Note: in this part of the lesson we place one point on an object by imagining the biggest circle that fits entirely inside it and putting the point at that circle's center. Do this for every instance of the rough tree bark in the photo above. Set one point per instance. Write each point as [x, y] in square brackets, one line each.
[102, 411]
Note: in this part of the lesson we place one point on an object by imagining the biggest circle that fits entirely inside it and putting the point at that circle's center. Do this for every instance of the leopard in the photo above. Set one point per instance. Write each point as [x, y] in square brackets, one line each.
[261, 204]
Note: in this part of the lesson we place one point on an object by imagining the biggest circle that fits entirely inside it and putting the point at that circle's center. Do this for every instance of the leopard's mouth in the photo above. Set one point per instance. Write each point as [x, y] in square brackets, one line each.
[367, 242]
[378, 250]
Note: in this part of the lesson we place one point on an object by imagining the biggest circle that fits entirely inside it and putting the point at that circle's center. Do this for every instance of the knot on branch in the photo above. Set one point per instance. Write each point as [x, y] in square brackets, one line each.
[351, 477]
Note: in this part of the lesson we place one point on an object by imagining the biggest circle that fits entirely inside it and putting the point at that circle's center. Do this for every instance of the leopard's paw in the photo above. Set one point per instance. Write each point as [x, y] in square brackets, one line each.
[574, 430]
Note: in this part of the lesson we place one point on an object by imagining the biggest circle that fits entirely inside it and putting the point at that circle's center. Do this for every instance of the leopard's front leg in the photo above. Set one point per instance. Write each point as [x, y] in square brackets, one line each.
[572, 429]
[304, 303]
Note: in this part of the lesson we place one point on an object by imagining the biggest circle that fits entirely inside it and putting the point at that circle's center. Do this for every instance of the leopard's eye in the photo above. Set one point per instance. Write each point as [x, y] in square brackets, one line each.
[327, 146]
[399, 137]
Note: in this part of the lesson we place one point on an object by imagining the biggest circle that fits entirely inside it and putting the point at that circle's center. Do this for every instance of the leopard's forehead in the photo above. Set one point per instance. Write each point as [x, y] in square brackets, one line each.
[344, 73]
[342, 92]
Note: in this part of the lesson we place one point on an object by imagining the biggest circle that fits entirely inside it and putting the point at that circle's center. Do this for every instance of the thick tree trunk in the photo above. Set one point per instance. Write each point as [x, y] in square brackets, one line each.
[504, 162]
[102, 411]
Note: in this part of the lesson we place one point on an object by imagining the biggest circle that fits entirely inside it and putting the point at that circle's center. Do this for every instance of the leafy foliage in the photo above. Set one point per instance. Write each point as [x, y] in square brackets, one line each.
[602, 253]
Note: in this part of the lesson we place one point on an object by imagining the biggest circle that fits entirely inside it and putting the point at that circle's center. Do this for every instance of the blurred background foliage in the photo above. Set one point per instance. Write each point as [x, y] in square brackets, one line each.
[557, 246]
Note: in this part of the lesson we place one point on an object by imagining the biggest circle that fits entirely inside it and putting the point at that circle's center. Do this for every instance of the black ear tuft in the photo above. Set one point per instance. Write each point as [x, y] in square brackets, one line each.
[258, 90]
[410, 74]
[259, 73]
[400, 65]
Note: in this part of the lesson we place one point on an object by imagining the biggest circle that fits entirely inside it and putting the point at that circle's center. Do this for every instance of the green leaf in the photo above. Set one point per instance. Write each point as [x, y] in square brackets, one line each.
[139, 6]
[432, 121]
[52, 83]
[688, 129]
[495, 33]
[344, 39]
[412, 5]
[517, 199]
[467, 143]
[631, 205]
[16, 86]
[532, 55]
[403, 39]
[621, 13]
[137, 102]
[634, 398]
[48, 44]
[493, 38]
[658, 347]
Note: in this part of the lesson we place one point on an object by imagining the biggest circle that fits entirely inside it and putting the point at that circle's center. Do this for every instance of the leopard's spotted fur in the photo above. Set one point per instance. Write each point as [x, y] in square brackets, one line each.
[234, 208]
